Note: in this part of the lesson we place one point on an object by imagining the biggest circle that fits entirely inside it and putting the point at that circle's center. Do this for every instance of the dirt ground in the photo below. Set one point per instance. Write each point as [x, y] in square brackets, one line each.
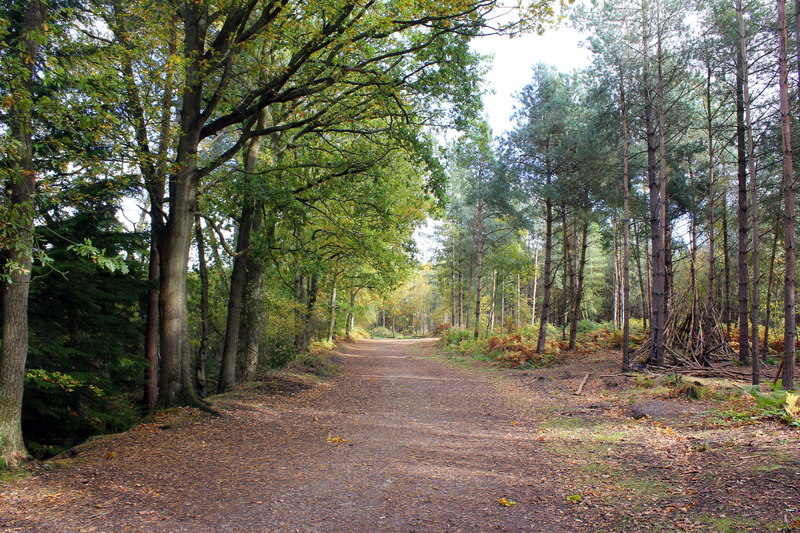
[406, 439]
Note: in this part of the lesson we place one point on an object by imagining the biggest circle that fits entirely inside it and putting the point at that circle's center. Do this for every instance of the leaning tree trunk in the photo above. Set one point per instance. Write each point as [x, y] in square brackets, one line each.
[19, 202]
[790, 332]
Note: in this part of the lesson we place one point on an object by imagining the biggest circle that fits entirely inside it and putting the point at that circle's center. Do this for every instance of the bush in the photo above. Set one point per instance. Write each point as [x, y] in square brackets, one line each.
[358, 333]
[380, 331]
[454, 337]
[278, 352]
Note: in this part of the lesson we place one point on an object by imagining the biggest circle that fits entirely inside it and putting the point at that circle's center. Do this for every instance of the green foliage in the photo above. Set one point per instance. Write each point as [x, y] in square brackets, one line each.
[454, 337]
[380, 332]
[85, 364]
[779, 404]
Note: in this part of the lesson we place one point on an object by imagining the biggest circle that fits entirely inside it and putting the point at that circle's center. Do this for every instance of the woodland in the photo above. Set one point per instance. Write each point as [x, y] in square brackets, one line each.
[198, 192]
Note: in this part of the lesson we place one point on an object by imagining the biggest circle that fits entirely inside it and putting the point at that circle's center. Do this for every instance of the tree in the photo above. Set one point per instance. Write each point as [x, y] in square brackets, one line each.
[22, 39]
[789, 327]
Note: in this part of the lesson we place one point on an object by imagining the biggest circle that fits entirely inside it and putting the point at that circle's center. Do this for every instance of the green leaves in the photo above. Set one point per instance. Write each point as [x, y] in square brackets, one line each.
[99, 257]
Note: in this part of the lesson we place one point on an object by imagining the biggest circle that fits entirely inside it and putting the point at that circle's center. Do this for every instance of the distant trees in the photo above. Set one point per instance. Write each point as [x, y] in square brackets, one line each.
[671, 112]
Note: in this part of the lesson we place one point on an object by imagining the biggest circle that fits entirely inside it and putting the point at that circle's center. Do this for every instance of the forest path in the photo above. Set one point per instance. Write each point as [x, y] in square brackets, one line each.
[429, 447]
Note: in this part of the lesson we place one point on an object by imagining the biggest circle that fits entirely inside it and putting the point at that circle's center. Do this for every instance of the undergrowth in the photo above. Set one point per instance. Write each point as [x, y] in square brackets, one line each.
[518, 349]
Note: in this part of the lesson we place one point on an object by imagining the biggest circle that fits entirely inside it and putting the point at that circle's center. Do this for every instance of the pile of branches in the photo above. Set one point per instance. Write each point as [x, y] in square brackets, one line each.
[693, 339]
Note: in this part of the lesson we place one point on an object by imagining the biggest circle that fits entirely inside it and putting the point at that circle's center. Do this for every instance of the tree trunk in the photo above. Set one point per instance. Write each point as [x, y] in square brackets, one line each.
[644, 308]
[490, 326]
[253, 314]
[576, 300]
[744, 342]
[251, 213]
[351, 313]
[770, 280]
[470, 273]
[308, 313]
[535, 284]
[453, 298]
[517, 318]
[176, 380]
[790, 325]
[20, 190]
[202, 350]
[710, 319]
[332, 311]
[726, 308]
[662, 176]
[153, 175]
[568, 275]
[481, 241]
[503, 305]
[548, 280]
[657, 300]
[755, 299]
[626, 239]
[460, 300]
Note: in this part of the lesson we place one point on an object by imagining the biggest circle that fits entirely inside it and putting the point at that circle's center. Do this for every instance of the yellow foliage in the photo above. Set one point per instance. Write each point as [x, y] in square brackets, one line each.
[335, 440]
[791, 407]
[505, 502]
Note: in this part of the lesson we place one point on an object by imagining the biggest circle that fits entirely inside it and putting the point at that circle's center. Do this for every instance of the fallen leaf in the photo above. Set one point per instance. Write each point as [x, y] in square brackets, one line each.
[575, 498]
[505, 502]
[336, 439]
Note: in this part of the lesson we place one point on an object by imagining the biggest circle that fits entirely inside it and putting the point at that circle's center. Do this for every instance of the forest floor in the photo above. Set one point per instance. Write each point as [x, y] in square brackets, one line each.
[407, 439]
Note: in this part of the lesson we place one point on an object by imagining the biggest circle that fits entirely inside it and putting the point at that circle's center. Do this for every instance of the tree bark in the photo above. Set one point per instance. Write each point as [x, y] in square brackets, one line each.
[490, 325]
[535, 284]
[710, 319]
[770, 279]
[253, 313]
[790, 332]
[332, 311]
[755, 299]
[726, 308]
[741, 156]
[578, 296]
[657, 299]
[308, 314]
[202, 350]
[480, 244]
[626, 238]
[251, 212]
[548, 280]
[20, 190]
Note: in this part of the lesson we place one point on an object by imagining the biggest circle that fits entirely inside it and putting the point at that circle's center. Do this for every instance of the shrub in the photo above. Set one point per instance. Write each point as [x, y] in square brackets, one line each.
[358, 333]
[278, 351]
[380, 331]
[454, 337]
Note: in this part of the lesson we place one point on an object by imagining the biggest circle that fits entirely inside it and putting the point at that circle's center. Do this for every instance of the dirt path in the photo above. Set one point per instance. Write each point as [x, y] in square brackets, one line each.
[426, 447]
[429, 448]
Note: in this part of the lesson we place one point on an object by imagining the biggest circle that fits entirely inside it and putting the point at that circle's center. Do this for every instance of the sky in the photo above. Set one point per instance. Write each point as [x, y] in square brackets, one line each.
[511, 68]
[513, 62]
